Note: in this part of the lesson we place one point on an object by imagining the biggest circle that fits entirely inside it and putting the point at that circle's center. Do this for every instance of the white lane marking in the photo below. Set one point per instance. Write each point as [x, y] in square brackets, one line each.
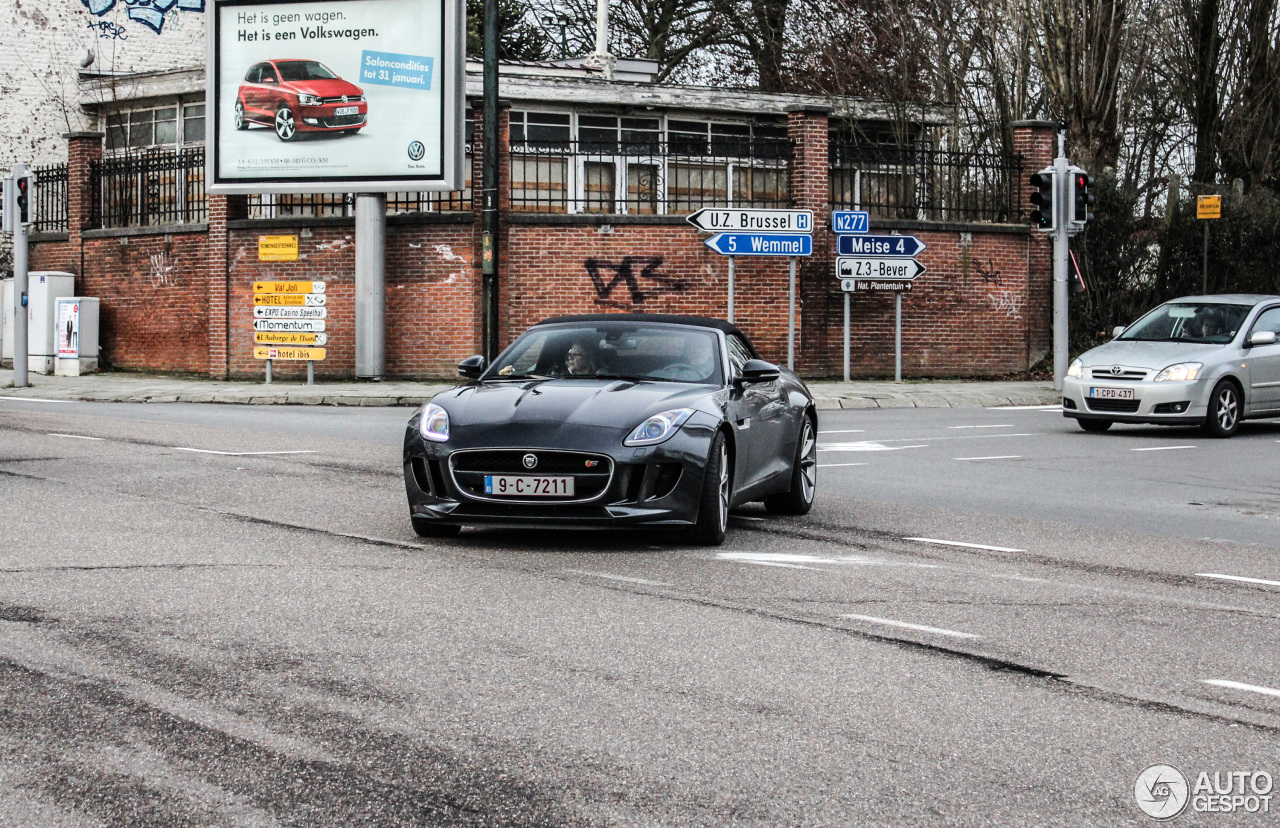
[1056, 407]
[992, 457]
[34, 399]
[982, 426]
[784, 565]
[1238, 685]
[609, 577]
[1025, 578]
[239, 453]
[836, 465]
[74, 436]
[1162, 448]
[965, 545]
[904, 625]
[1237, 578]
[865, 445]
[793, 559]
[863, 431]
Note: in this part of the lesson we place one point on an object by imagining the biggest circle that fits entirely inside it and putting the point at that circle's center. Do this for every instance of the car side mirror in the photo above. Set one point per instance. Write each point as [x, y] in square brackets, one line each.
[472, 367]
[1117, 330]
[1262, 338]
[757, 370]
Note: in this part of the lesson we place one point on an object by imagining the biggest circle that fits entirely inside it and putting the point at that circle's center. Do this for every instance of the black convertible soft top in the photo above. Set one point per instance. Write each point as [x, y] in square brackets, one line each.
[669, 318]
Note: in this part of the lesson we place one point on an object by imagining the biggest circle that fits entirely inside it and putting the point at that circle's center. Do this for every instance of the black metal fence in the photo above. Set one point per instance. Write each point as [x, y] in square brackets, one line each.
[51, 199]
[649, 178]
[925, 184]
[286, 205]
[148, 188]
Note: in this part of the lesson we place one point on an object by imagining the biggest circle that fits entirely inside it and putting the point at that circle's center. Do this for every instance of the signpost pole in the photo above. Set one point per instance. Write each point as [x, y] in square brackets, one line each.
[731, 277]
[19, 284]
[846, 336]
[268, 372]
[489, 203]
[791, 316]
[1204, 269]
[897, 337]
[311, 372]
[1061, 251]
[371, 293]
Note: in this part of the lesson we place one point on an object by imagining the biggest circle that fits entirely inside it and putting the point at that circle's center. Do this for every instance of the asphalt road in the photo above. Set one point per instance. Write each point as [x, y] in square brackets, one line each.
[219, 615]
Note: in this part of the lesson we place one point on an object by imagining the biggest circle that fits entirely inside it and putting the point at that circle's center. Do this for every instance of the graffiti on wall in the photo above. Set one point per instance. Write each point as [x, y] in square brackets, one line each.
[162, 270]
[641, 285]
[150, 13]
[988, 274]
[1007, 302]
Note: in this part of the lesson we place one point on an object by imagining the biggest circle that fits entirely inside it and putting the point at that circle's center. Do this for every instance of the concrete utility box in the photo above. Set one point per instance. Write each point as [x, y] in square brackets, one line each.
[77, 322]
[44, 288]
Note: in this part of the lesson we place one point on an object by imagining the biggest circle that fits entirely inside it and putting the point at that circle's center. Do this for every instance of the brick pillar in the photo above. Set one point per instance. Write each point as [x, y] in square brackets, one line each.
[1035, 141]
[808, 129]
[83, 149]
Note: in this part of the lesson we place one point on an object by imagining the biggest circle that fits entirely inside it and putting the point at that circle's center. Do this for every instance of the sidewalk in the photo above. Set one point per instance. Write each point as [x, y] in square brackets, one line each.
[127, 387]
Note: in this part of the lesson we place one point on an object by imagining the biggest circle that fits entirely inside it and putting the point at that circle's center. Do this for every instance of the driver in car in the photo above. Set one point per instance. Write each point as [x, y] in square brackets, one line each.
[698, 364]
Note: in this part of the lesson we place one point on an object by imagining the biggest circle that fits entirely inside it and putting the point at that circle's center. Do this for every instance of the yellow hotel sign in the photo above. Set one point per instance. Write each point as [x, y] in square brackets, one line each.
[1208, 207]
[288, 287]
[315, 354]
[277, 248]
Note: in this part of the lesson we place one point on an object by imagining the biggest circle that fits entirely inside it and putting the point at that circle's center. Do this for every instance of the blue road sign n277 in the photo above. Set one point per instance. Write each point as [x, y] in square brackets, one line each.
[878, 245]
[761, 244]
[850, 221]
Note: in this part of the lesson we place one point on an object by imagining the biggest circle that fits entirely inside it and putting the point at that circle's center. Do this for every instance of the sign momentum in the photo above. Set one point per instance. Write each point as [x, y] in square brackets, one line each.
[335, 96]
[761, 244]
[848, 267]
[718, 219]
[879, 246]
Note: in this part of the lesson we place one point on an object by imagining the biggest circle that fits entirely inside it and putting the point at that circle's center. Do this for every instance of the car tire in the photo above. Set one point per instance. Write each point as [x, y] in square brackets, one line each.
[1095, 426]
[1225, 404]
[713, 505]
[241, 122]
[804, 476]
[285, 125]
[428, 528]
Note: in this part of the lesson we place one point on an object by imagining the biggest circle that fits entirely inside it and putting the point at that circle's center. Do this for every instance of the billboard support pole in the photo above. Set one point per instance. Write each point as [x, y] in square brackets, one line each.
[489, 214]
[371, 277]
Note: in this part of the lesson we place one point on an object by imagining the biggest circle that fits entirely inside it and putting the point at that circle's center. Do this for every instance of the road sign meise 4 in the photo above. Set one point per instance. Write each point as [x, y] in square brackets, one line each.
[761, 244]
[718, 219]
[869, 245]
[848, 267]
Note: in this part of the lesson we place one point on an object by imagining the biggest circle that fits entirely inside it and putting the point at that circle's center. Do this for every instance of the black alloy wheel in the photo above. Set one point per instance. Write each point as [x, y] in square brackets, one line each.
[804, 476]
[1095, 426]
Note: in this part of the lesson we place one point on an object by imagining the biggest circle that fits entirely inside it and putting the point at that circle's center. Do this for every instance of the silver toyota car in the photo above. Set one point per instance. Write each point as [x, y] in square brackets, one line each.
[1210, 361]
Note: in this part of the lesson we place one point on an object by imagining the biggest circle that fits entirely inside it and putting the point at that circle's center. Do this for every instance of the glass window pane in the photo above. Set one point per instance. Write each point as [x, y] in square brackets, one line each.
[643, 188]
[193, 130]
[117, 131]
[682, 143]
[538, 183]
[193, 111]
[641, 123]
[140, 126]
[599, 186]
[560, 119]
[597, 140]
[688, 126]
[731, 139]
[166, 132]
[606, 121]
[692, 186]
[547, 134]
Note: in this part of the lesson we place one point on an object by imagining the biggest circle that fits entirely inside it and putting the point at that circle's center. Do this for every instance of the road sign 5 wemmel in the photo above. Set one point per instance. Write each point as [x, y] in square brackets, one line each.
[761, 244]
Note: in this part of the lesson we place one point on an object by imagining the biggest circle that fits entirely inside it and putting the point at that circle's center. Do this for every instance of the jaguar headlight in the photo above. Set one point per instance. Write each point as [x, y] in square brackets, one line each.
[658, 428]
[433, 425]
[1182, 372]
[1076, 370]
[308, 100]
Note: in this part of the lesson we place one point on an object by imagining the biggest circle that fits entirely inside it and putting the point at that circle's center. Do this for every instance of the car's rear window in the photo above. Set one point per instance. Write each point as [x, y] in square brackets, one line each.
[1210, 323]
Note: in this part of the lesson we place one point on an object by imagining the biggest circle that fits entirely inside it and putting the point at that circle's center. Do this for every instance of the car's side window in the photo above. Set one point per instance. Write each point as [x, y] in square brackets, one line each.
[739, 353]
[254, 73]
[1268, 320]
[268, 74]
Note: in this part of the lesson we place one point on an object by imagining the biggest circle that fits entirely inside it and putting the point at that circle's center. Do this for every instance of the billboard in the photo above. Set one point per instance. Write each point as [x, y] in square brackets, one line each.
[312, 96]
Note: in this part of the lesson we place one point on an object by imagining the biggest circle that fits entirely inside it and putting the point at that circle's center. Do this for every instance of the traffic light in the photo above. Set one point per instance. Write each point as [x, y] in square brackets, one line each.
[1042, 199]
[1081, 198]
[22, 199]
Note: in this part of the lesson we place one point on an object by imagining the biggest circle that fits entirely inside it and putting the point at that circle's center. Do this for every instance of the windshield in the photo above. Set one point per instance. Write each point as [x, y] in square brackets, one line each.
[304, 70]
[1188, 322]
[608, 350]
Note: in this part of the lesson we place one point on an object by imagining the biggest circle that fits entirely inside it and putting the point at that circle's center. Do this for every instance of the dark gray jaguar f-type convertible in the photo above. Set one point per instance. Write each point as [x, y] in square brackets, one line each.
[620, 420]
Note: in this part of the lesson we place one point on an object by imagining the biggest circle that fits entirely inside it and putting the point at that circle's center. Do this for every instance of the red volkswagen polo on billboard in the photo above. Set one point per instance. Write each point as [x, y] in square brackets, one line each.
[295, 97]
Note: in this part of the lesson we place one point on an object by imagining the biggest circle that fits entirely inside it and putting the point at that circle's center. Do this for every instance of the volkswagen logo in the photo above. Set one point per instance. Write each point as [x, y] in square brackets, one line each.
[1116, 370]
[530, 460]
[416, 151]
[344, 98]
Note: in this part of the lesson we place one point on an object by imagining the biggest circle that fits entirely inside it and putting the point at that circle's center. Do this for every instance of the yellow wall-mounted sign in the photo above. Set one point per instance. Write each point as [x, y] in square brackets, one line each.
[287, 338]
[277, 248]
[310, 300]
[1208, 207]
[288, 287]
[315, 354]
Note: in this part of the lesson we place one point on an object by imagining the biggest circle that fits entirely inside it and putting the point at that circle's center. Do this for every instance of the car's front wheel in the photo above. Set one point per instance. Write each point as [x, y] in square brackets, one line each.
[286, 127]
[804, 476]
[241, 122]
[713, 505]
[1223, 418]
[428, 528]
[1096, 426]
